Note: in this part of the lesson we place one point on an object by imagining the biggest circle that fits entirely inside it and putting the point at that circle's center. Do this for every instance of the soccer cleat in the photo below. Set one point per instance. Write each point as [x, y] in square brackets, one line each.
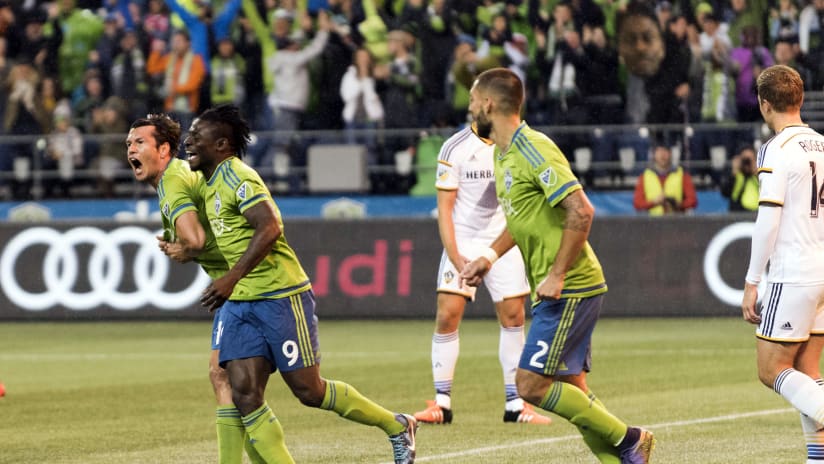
[434, 414]
[403, 444]
[639, 452]
[527, 416]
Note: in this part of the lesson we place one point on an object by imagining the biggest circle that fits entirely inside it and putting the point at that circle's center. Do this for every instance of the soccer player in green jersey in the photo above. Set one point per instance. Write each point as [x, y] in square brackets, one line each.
[548, 216]
[151, 146]
[267, 302]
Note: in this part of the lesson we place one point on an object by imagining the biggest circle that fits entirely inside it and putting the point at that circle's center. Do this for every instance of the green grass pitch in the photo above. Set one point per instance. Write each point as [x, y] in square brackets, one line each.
[134, 392]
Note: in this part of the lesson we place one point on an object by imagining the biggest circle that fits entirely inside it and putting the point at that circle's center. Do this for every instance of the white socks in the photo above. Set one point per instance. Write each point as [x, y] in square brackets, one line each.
[813, 436]
[802, 392]
[445, 350]
[510, 345]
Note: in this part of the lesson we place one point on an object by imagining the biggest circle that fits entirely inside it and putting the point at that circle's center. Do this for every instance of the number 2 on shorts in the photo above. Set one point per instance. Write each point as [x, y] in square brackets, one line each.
[533, 361]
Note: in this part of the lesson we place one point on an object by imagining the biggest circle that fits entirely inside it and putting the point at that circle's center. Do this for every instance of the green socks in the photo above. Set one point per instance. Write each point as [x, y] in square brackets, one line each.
[350, 404]
[266, 436]
[230, 435]
[569, 402]
[231, 438]
[602, 449]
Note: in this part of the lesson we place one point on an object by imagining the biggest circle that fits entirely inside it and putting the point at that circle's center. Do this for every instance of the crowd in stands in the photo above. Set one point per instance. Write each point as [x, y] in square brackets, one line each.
[74, 68]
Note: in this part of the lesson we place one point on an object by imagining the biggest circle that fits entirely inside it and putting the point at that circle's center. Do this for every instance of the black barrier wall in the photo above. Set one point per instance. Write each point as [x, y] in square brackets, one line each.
[682, 266]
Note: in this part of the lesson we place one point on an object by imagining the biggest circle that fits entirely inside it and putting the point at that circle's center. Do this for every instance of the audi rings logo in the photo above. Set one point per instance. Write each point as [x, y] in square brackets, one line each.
[106, 266]
[712, 261]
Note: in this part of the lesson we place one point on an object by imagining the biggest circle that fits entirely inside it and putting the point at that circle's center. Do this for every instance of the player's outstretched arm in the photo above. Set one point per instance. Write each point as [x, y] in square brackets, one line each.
[579, 215]
[263, 219]
[191, 239]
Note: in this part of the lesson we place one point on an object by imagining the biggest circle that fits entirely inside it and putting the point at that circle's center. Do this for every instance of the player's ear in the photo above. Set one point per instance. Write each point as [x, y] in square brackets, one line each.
[488, 105]
[164, 149]
[764, 104]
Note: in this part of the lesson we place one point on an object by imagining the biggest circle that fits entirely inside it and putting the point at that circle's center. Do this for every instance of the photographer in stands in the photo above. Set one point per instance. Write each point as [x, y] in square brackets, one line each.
[741, 186]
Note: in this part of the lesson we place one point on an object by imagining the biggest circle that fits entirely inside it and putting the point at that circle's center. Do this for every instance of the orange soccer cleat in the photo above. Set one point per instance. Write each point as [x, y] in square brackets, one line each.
[527, 416]
[434, 414]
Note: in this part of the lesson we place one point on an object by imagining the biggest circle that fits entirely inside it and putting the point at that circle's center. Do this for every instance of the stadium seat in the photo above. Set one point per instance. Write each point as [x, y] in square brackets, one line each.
[627, 157]
[582, 158]
[718, 157]
[337, 168]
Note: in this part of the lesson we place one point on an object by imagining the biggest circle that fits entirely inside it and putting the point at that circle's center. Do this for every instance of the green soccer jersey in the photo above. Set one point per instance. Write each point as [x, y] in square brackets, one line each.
[233, 189]
[531, 178]
[181, 190]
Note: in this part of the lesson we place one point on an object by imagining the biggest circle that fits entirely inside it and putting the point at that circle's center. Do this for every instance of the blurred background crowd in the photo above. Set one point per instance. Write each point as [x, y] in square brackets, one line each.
[609, 79]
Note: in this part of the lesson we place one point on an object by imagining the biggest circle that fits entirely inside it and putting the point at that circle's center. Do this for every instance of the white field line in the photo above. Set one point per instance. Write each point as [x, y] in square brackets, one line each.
[542, 441]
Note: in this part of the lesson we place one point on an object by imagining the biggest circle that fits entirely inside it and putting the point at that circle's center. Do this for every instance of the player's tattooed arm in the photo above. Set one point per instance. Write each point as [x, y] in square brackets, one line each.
[579, 212]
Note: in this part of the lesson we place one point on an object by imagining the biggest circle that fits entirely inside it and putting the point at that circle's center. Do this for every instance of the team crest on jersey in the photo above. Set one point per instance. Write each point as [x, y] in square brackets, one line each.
[166, 209]
[442, 173]
[217, 203]
[448, 276]
[241, 191]
[548, 177]
[219, 227]
[507, 180]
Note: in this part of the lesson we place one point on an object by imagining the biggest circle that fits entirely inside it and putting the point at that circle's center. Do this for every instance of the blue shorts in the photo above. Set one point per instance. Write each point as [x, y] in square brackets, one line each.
[559, 341]
[282, 330]
[217, 329]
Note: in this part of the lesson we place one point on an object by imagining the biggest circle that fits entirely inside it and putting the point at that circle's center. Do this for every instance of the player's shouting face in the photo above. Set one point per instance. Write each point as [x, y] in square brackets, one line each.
[145, 156]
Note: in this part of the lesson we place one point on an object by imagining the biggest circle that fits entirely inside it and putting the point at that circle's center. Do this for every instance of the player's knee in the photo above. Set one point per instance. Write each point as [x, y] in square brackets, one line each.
[511, 320]
[309, 395]
[767, 375]
[529, 395]
[510, 312]
[529, 390]
[246, 402]
[218, 376]
[309, 398]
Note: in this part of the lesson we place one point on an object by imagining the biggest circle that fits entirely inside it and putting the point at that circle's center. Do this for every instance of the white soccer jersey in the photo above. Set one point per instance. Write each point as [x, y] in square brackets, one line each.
[466, 164]
[791, 174]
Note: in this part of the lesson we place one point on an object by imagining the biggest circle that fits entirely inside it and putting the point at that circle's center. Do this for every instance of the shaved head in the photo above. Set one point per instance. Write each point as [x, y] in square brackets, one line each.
[504, 87]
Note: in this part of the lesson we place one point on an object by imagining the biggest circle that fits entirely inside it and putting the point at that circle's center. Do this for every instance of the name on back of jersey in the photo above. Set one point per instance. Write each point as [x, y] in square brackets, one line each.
[811, 145]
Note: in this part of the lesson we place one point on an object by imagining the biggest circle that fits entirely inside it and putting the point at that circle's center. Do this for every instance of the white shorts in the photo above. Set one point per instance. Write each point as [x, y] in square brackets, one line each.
[790, 313]
[506, 279]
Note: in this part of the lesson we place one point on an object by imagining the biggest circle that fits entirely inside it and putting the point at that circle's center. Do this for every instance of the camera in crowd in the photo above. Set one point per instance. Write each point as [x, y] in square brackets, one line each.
[746, 161]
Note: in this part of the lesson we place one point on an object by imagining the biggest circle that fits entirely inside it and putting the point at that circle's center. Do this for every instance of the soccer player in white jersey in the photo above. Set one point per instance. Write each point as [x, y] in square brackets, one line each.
[789, 234]
[469, 219]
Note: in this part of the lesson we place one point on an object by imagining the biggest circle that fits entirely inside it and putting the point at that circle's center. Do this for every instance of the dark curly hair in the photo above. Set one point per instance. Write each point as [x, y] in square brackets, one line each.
[235, 128]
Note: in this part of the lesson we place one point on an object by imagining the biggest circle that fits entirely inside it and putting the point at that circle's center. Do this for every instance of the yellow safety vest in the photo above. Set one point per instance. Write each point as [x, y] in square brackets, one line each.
[673, 188]
[745, 191]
